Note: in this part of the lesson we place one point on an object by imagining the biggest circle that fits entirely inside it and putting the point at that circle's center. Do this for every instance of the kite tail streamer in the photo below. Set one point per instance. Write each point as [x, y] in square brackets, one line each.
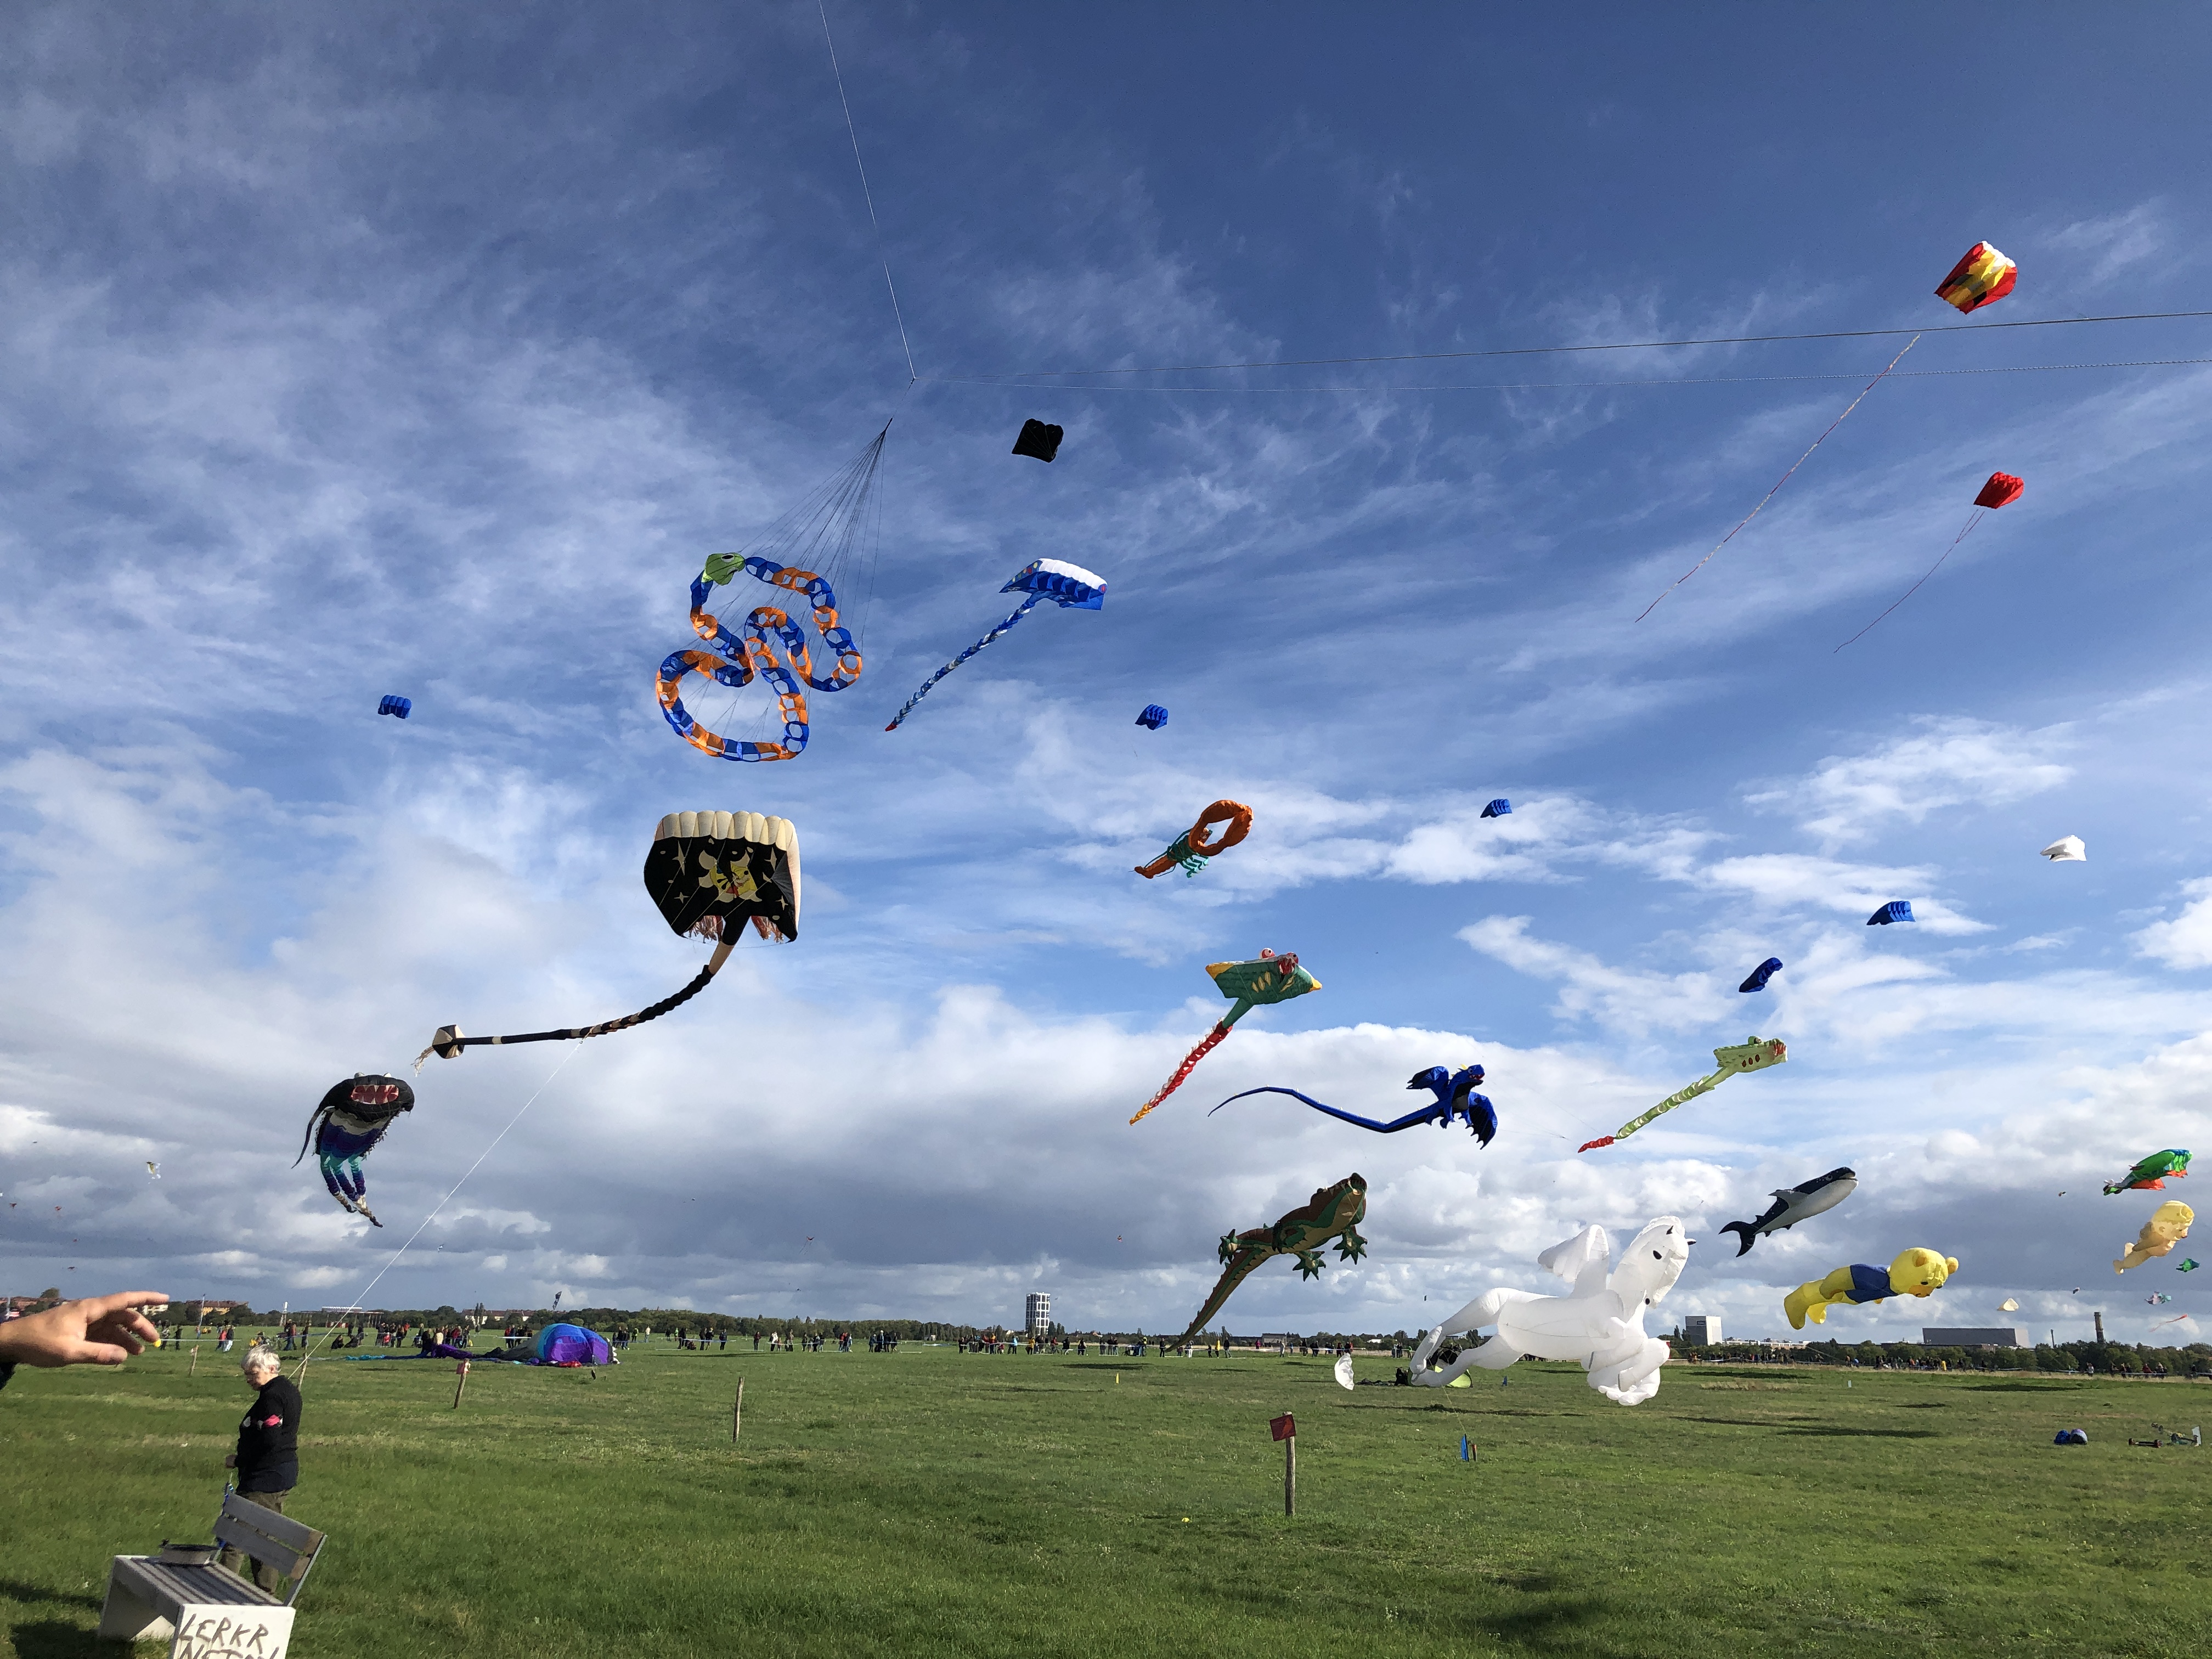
[1973, 519]
[448, 1043]
[1026, 606]
[1703, 1086]
[1236, 1274]
[1189, 1064]
[1783, 480]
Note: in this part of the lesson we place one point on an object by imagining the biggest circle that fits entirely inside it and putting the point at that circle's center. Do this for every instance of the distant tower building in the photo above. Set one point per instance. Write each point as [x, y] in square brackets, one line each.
[2101, 1327]
[1036, 1316]
[1701, 1330]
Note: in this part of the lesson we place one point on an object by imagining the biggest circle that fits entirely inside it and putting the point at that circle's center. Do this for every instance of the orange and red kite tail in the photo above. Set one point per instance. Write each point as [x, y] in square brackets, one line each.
[1189, 1064]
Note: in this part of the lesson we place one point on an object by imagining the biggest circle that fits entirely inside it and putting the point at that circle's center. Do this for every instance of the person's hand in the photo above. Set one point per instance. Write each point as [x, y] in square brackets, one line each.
[100, 1330]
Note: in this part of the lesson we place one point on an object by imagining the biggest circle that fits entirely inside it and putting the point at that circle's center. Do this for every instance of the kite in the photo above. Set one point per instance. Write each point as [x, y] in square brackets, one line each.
[708, 873]
[1795, 1204]
[400, 706]
[1755, 1054]
[2071, 1437]
[1154, 718]
[2067, 849]
[830, 533]
[1070, 587]
[1981, 278]
[1192, 851]
[2185, 1266]
[1455, 1097]
[1267, 979]
[1498, 809]
[2008, 1306]
[154, 1169]
[2156, 1296]
[1342, 1371]
[1039, 442]
[2169, 1225]
[346, 1127]
[1915, 1273]
[1759, 976]
[753, 654]
[1600, 1322]
[1331, 1212]
[1895, 910]
[2001, 490]
[2150, 1174]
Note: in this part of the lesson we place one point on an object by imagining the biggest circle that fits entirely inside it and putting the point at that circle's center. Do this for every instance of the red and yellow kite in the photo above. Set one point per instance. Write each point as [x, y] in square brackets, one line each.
[1984, 274]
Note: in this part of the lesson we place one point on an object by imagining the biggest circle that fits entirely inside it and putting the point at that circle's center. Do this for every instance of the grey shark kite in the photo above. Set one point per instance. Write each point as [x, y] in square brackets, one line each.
[1795, 1204]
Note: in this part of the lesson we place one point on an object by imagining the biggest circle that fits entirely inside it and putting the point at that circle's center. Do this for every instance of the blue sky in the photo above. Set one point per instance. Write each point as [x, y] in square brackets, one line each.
[347, 355]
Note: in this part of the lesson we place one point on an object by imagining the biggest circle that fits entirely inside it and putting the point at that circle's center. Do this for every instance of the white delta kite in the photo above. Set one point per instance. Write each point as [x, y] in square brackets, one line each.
[1599, 1321]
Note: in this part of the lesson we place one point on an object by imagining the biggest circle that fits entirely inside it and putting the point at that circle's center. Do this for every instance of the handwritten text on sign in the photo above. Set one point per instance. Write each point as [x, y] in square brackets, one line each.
[219, 1633]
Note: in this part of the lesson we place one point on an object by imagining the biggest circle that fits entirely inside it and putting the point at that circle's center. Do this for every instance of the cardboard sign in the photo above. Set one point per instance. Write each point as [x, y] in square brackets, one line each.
[1283, 1427]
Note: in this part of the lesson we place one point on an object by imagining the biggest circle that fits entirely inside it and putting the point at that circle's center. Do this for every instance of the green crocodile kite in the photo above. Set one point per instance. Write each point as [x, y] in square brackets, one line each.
[1755, 1056]
[1333, 1212]
[2153, 1172]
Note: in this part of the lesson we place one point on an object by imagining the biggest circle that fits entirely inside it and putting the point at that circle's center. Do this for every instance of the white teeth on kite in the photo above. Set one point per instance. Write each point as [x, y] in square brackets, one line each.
[779, 833]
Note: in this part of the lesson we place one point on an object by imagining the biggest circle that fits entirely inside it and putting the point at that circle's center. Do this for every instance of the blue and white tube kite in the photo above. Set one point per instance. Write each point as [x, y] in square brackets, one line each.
[1067, 586]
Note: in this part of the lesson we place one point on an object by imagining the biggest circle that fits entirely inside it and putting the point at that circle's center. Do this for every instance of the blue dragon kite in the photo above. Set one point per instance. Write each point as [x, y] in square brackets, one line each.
[1455, 1098]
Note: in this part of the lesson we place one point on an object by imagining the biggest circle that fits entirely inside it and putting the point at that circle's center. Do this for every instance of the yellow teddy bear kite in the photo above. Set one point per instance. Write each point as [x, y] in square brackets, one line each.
[2169, 1225]
[1915, 1273]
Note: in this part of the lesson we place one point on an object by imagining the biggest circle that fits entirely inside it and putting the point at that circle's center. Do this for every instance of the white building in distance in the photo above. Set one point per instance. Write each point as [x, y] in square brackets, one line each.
[1701, 1330]
[1036, 1313]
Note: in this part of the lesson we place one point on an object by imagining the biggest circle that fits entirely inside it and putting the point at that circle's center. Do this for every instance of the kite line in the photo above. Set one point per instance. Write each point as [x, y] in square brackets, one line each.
[356, 1306]
[1590, 386]
[1783, 480]
[1610, 345]
[1973, 519]
[867, 195]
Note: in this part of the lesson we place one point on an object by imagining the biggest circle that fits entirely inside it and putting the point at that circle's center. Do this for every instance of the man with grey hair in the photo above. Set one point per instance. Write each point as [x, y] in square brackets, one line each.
[268, 1456]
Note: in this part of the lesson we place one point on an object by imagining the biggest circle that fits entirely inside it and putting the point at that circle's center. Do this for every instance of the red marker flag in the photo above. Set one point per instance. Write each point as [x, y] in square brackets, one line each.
[1283, 1428]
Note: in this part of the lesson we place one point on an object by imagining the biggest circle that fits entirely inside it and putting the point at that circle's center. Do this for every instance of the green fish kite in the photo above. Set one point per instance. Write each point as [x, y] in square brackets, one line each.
[2151, 1173]
[1267, 978]
[1754, 1056]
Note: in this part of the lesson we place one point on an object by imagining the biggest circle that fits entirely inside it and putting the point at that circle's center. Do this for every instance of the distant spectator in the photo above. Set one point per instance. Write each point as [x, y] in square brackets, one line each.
[268, 1456]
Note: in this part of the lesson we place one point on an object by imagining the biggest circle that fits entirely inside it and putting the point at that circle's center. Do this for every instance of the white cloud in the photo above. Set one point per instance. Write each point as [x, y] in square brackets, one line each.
[1948, 761]
[2186, 940]
[2117, 240]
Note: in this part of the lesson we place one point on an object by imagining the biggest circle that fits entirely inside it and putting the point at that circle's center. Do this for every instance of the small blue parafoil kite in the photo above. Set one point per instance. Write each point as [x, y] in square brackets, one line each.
[1765, 970]
[1498, 809]
[1455, 1097]
[400, 706]
[1895, 910]
[1154, 718]
[1067, 586]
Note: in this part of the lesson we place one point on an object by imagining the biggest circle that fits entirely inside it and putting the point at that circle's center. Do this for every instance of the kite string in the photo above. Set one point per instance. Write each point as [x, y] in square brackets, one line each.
[867, 195]
[1973, 519]
[1783, 479]
[358, 1301]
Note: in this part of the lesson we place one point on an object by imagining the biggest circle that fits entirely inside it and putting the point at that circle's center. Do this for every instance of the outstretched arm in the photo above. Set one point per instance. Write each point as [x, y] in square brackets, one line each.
[100, 1330]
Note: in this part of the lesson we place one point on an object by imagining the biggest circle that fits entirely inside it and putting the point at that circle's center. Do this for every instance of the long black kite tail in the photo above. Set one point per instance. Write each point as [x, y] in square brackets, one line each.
[448, 1043]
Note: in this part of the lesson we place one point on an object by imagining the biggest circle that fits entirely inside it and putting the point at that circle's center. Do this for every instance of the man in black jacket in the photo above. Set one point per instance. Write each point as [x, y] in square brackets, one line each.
[268, 1456]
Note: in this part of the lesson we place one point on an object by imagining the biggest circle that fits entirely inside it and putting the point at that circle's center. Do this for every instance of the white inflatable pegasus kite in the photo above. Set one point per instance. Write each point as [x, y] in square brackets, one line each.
[1599, 1323]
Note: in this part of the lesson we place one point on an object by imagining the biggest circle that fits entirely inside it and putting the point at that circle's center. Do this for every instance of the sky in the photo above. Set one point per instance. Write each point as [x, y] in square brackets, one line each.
[347, 353]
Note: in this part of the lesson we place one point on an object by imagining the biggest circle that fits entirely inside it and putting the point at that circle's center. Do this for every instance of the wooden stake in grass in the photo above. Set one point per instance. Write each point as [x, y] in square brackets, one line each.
[193, 1370]
[461, 1382]
[1285, 1429]
[738, 1411]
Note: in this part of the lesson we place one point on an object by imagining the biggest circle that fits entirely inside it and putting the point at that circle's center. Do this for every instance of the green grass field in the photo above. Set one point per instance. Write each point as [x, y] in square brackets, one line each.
[928, 1502]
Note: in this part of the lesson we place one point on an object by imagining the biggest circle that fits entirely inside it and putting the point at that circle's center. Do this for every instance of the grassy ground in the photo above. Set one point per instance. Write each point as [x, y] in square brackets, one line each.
[927, 1502]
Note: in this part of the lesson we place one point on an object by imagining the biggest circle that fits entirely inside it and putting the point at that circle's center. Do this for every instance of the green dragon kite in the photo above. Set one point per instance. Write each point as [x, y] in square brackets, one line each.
[1755, 1056]
[1333, 1212]
[1267, 978]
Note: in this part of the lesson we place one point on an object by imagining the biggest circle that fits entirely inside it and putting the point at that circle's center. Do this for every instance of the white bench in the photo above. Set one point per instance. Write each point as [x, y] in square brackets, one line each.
[209, 1611]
